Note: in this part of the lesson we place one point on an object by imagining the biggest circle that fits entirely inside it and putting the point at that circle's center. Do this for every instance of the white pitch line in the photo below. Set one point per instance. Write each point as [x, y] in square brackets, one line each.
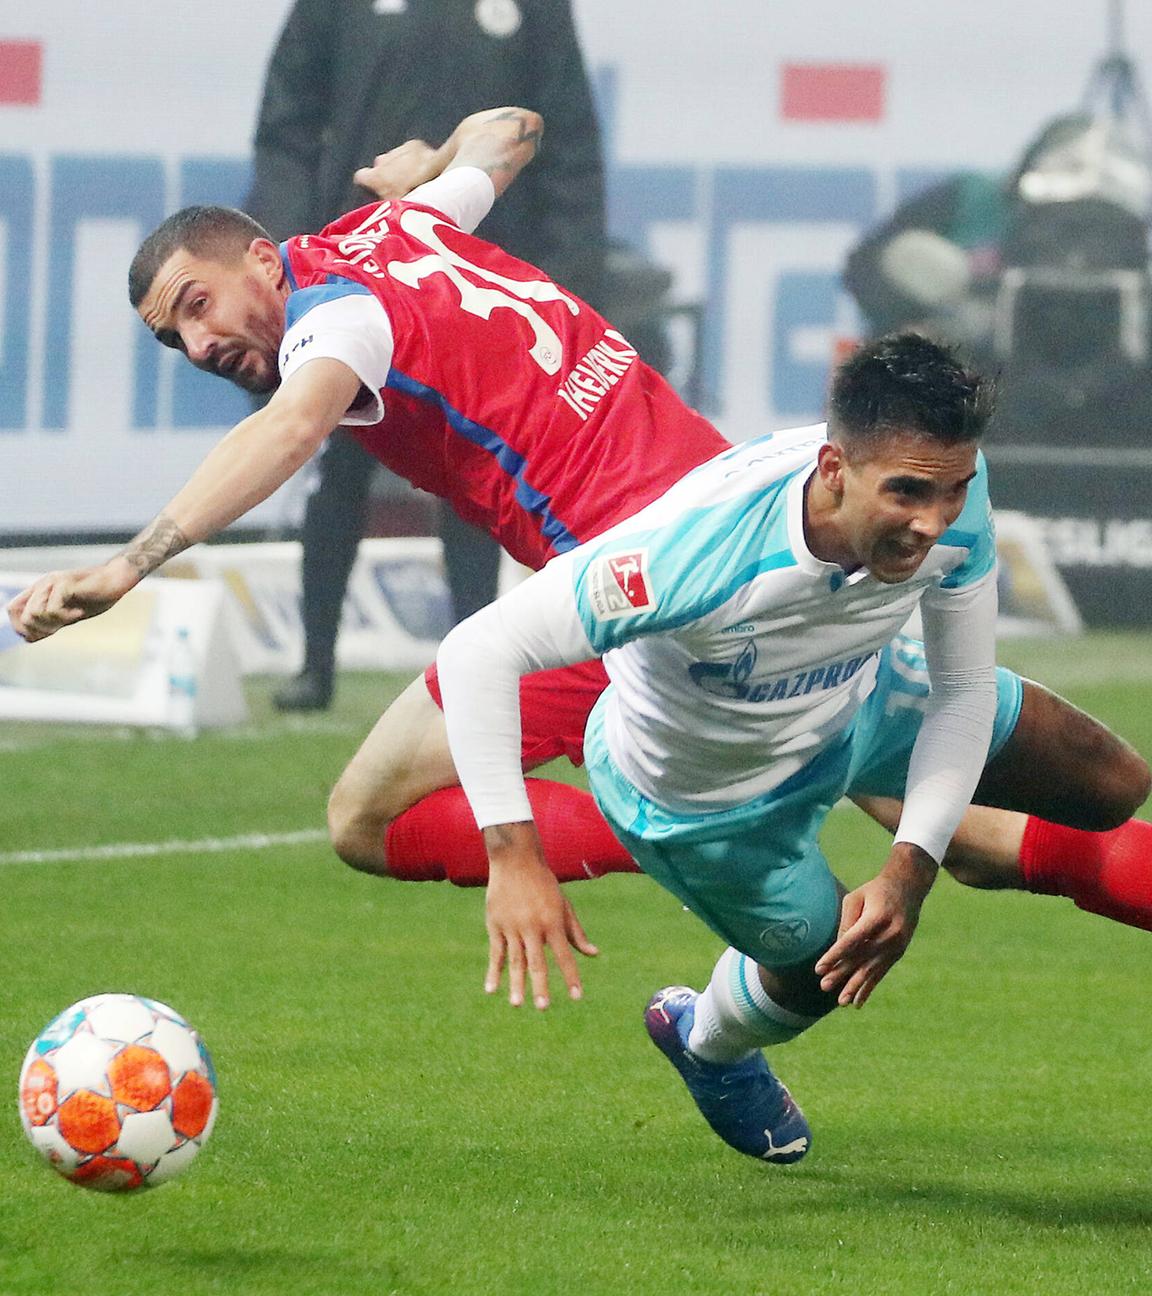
[122, 733]
[138, 850]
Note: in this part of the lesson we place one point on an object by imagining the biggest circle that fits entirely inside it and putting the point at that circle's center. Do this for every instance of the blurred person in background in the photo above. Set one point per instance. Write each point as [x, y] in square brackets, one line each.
[934, 264]
[351, 79]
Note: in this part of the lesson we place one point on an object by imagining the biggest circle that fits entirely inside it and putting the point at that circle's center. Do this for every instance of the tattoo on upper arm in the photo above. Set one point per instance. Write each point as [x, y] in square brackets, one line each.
[158, 542]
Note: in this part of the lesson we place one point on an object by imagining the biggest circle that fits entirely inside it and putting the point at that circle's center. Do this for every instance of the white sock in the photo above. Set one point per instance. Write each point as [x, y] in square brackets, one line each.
[735, 1015]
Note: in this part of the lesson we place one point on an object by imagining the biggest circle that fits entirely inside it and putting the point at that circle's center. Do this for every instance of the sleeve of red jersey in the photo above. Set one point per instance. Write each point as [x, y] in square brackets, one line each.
[341, 321]
[464, 194]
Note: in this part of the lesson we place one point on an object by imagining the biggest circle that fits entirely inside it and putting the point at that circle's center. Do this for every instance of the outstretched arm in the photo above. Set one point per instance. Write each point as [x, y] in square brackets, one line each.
[498, 141]
[244, 469]
[878, 919]
[532, 627]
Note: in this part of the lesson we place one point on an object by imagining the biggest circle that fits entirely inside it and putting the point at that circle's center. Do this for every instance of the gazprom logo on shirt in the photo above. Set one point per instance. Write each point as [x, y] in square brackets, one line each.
[619, 584]
[733, 679]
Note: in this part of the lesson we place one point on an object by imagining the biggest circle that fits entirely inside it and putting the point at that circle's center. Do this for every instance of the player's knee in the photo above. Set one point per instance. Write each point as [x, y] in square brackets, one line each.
[1127, 787]
[1139, 781]
[1117, 787]
[1099, 780]
[972, 870]
[356, 834]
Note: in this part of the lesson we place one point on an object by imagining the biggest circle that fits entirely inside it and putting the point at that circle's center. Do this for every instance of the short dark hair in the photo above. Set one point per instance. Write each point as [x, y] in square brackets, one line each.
[907, 383]
[219, 232]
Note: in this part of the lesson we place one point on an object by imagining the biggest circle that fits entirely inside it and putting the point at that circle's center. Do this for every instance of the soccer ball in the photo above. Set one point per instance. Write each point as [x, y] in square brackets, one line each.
[118, 1092]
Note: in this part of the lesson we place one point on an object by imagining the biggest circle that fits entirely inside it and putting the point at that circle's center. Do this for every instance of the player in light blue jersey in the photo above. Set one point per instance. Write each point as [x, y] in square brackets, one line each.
[750, 623]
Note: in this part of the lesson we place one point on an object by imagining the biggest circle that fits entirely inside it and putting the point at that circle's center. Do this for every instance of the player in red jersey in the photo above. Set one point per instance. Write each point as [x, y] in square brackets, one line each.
[479, 379]
[489, 385]
[462, 369]
[482, 381]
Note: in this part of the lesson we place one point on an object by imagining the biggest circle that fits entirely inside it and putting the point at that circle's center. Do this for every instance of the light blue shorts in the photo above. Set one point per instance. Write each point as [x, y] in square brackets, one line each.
[756, 874]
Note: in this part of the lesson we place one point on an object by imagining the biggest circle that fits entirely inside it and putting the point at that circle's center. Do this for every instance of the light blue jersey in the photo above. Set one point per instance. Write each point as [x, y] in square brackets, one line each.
[752, 684]
[717, 622]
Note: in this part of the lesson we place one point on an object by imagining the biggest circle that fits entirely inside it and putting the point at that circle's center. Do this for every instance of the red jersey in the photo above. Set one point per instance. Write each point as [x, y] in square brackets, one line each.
[483, 381]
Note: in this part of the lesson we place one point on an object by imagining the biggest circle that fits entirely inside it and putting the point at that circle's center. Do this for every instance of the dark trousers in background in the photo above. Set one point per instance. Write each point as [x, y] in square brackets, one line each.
[335, 518]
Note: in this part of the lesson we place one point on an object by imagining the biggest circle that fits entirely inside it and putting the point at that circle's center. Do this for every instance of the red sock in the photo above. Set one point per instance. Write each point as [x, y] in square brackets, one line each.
[1108, 873]
[437, 838]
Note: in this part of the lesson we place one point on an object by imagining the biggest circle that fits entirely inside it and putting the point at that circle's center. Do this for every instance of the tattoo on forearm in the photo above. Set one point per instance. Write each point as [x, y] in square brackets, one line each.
[499, 838]
[524, 135]
[155, 545]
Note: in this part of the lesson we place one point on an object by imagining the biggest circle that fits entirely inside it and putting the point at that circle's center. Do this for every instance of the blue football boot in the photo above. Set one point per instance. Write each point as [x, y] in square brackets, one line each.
[743, 1101]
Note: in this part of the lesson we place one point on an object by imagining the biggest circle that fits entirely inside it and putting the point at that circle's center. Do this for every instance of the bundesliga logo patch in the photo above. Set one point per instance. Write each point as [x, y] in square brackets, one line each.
[620, 585]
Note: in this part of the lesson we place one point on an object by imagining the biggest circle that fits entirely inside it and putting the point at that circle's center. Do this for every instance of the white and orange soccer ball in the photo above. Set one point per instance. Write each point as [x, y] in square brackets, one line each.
[118, 1092]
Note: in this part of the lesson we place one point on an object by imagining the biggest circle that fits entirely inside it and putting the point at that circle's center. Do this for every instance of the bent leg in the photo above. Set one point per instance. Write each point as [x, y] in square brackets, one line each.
[398, 810]
[1053, 814]
[403, 759]
[763, 886]
[767, 891]
[1058, 764]
[1061, 764]
[1047, 757]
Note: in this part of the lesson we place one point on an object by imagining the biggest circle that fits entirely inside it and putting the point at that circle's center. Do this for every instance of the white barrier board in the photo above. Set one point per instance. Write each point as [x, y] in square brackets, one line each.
[116, 668]
[396, 609]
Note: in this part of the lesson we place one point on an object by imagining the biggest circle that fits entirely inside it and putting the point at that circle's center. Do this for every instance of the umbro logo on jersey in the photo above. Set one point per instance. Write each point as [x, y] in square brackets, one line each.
[620, 584]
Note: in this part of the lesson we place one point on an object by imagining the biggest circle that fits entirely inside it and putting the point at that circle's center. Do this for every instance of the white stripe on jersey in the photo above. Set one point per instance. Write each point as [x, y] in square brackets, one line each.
[345, 323]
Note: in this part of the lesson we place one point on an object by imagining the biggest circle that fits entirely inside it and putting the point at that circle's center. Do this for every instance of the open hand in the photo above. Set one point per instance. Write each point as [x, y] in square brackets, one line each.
[877, 922]
[527, 916]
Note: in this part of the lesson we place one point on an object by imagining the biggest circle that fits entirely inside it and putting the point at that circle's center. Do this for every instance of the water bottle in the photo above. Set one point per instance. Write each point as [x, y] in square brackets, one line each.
[182, 686]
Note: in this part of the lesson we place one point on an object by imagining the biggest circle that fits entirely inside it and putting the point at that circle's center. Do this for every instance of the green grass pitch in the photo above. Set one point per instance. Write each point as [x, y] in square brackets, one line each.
[980, 1127]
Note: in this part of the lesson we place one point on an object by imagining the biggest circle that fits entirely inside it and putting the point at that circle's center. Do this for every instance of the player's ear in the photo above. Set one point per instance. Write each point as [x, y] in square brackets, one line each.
[830, 467]
[267, 255]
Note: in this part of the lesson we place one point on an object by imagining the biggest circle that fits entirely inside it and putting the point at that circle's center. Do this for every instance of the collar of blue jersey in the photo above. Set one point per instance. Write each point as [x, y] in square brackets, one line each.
[806, 560]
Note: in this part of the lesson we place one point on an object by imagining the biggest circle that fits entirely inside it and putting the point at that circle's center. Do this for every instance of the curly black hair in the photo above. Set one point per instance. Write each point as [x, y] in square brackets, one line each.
[906, 383]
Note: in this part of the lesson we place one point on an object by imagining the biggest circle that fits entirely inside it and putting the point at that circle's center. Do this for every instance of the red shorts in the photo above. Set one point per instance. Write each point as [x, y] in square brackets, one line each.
[554, 707]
